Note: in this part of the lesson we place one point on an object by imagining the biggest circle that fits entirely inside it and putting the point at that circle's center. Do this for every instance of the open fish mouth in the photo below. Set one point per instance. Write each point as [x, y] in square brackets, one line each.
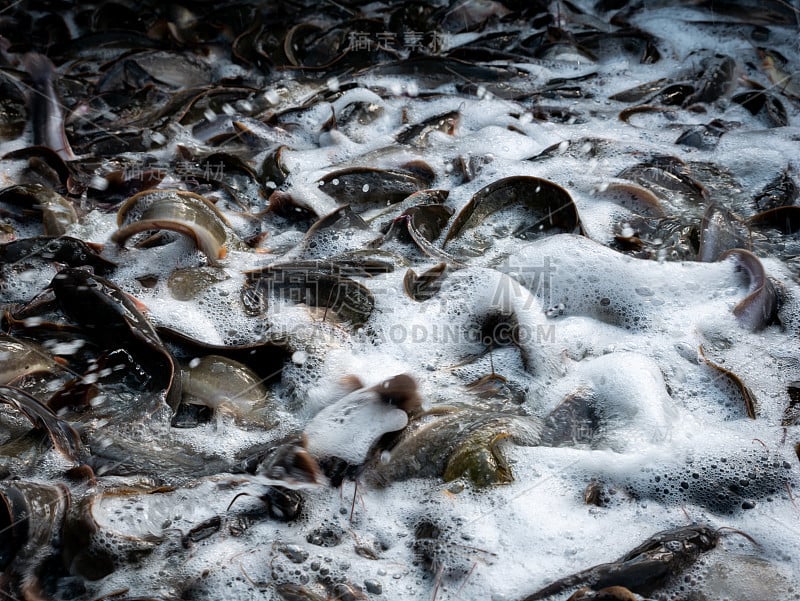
[349, 300]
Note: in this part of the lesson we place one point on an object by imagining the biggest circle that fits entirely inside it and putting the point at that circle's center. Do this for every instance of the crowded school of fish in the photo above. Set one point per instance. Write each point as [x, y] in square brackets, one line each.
[442, 300]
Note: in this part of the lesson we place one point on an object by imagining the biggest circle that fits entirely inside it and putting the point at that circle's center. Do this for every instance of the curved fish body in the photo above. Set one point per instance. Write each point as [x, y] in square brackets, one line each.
[644, 569]
[112, 318]
[47, 112]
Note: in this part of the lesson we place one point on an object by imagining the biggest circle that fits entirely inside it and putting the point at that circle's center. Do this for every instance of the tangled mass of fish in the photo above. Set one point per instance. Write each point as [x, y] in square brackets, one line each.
[477, 299]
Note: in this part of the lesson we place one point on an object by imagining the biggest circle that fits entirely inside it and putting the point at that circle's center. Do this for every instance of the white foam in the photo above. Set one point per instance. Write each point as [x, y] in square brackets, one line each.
[348, 428]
